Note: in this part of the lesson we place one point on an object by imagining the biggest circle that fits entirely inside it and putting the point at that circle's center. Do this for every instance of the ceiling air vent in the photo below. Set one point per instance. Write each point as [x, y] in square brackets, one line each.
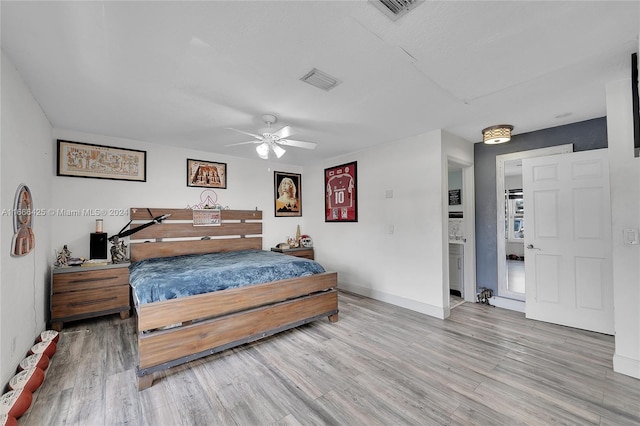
[394, 9]
[320, 79]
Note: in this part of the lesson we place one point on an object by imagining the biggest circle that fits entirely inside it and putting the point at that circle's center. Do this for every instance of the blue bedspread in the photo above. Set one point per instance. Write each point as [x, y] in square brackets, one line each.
[167, 278]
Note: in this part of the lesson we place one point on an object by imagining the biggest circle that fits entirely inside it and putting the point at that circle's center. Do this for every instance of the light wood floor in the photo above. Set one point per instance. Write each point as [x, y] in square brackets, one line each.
[455, 301]
[515, 276]
[379, 365]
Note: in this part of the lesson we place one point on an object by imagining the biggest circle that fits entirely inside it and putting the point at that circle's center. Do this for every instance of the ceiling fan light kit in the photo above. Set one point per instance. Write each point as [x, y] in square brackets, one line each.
[272, 141]
[279, 151]
[263, 150]
[497, 134]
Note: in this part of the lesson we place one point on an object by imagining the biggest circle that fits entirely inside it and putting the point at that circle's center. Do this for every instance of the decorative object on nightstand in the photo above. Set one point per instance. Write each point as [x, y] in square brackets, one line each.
[78, 293]
[297, 244]
[97, 245]
[306, 241]
[118, 250]
[62, 257]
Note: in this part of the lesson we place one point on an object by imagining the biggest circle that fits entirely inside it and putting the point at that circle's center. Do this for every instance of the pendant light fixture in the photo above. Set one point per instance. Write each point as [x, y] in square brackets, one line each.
[497, 134]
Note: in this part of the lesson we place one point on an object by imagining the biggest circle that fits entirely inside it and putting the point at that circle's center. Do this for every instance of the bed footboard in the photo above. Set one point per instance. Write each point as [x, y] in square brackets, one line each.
[206, 324]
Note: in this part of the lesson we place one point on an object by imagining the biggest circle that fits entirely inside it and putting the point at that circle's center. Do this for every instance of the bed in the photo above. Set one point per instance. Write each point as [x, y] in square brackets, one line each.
[176, 328]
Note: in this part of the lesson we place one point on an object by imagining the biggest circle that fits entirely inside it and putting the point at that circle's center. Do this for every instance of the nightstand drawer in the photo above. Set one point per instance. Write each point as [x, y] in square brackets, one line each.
[89, 301]
[84, 280]
[304, 252]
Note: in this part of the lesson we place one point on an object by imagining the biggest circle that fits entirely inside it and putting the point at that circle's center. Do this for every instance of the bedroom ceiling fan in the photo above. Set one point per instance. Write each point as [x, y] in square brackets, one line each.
[271, 140]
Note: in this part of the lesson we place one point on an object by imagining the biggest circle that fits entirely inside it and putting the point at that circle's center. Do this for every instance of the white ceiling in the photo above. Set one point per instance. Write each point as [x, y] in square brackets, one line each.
[179, 73]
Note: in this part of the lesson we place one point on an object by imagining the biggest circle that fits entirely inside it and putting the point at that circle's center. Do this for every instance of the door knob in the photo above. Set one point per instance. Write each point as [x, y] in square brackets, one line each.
[531, 247]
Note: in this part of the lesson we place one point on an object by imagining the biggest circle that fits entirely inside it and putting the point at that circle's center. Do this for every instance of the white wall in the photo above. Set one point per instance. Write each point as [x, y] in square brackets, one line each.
[249, 185]
[625, 213]
[394, 252]
[25, 148]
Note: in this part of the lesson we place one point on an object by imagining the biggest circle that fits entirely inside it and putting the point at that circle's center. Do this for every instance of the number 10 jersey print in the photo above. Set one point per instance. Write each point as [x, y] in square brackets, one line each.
[340, 200]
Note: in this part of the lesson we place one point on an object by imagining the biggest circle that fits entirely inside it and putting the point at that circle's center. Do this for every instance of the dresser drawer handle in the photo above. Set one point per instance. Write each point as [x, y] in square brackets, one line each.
[92, 302]
[86, 280]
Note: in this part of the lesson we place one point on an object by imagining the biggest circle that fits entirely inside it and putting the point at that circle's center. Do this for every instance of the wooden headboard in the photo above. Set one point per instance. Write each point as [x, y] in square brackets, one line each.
[176, 235]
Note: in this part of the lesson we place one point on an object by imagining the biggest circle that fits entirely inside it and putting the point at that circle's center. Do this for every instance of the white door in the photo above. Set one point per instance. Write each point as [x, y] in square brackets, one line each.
[568, 240]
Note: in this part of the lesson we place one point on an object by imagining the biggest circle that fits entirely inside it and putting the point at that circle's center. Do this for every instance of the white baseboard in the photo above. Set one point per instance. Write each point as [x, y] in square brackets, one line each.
[512, 305]
[626, 366]
[423, 308]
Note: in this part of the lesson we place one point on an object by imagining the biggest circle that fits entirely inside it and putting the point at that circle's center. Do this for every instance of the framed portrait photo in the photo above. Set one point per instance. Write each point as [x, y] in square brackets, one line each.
[287, 194]
[102, 162]
[206, 174]
[341, 193]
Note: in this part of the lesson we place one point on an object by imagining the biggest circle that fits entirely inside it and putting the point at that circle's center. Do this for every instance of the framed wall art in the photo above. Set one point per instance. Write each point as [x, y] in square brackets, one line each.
[79, 159]
[455, 197]
[288, 194]
[341, 193]
[206, 174]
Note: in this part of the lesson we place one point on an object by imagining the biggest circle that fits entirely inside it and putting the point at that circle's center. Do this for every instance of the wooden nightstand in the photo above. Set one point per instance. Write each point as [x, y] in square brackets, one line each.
[80, 292]
[306, 252]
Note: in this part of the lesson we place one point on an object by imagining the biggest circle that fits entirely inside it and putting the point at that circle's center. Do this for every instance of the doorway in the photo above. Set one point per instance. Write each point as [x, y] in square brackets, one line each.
[511, 225]
[460, 241]
[515, 226]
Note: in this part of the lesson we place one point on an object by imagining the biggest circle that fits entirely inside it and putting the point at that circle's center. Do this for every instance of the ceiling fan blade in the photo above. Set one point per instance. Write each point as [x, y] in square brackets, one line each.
[259, 137]
[243, 143]
[283, 133]
[299, 144]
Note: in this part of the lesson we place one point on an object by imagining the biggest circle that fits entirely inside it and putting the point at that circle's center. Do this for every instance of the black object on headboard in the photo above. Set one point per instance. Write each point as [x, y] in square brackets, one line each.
[636, 103]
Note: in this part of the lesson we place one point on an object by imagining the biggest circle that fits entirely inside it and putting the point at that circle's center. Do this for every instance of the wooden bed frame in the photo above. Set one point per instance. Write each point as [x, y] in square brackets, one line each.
[205, 324]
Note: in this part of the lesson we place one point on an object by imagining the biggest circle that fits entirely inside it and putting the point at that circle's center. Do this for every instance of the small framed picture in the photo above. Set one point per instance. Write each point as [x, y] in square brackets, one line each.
[341, 193]
[287, 194]
[206, 174]
[455, 197]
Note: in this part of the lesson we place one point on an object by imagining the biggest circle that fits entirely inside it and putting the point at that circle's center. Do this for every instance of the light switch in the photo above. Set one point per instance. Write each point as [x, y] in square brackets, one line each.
[630, 236]
[388, 193]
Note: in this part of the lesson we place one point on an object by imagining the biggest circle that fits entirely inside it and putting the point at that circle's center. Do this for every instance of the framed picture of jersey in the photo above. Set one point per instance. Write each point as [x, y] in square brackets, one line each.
[341, 193]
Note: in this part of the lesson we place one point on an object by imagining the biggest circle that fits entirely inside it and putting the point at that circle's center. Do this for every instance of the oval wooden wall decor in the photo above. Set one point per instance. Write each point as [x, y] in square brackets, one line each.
[23, 239]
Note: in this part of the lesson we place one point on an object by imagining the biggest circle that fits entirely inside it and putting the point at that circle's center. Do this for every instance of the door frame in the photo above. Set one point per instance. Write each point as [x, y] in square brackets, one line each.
[469, 221]
[503, 292]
